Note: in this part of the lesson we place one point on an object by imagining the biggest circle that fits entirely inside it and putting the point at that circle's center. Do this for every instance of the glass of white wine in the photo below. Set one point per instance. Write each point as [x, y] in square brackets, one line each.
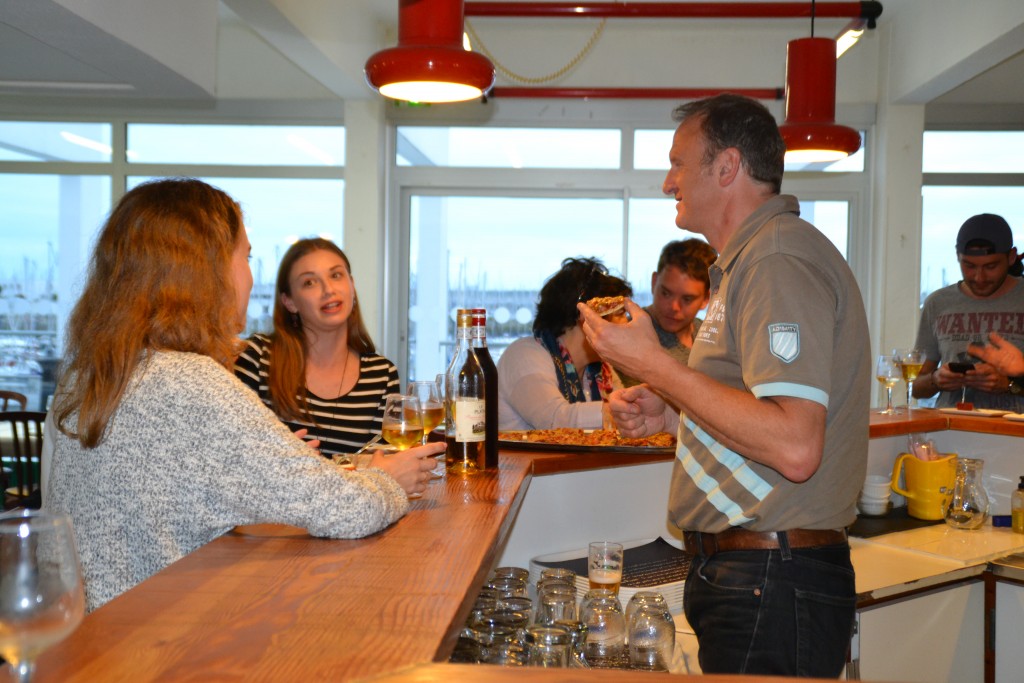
[888, 372]
[430, 404]
[42, 599]
[910, 361]
[403, 421]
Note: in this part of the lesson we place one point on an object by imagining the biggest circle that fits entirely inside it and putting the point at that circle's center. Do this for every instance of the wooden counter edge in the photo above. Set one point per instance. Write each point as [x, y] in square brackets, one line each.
[464, 673]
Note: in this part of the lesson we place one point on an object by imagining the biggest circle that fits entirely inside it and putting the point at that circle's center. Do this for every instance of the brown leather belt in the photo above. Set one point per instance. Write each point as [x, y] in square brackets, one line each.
[736, 538]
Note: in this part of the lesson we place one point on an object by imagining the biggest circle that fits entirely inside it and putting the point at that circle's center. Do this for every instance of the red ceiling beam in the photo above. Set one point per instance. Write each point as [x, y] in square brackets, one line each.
[503, 92]
[868, 10]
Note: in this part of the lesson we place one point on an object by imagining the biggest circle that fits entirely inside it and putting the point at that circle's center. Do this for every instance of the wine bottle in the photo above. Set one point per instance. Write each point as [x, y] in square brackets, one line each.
[465, 404]
[479, 338]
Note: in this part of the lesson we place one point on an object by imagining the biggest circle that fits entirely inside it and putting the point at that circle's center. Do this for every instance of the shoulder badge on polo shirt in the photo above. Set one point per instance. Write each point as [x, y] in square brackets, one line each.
[784, 341]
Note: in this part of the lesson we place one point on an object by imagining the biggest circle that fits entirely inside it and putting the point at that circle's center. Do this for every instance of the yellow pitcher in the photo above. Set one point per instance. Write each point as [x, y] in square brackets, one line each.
[929, 484]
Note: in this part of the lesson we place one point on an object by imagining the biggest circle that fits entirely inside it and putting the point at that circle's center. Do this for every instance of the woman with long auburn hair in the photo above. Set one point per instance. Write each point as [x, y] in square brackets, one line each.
[159, 449]
[319, 369]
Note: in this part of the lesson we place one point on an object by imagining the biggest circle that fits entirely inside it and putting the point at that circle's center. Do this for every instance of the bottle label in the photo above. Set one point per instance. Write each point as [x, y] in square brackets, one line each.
[469, 418]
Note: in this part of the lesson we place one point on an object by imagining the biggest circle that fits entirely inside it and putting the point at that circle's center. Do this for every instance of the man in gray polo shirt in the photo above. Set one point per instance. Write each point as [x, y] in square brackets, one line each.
[988, 299]
[774, 405]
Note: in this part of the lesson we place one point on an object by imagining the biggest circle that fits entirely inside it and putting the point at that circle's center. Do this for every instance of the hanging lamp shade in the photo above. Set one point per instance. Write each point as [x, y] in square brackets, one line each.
[429, 64]
[810, 131]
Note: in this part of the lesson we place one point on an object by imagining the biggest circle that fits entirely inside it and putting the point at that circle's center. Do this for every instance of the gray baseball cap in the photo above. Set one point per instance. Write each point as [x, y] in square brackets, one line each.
[983, 235]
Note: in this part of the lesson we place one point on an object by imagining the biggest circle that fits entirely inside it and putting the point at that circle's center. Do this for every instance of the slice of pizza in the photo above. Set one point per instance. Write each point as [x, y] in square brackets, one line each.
[612, 308]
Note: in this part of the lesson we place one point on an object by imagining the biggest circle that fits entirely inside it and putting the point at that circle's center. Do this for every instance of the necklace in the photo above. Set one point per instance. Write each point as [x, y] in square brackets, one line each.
[344, 372]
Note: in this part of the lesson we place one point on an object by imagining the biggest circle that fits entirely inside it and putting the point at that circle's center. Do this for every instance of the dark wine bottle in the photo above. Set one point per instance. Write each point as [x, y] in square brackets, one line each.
[479, 337]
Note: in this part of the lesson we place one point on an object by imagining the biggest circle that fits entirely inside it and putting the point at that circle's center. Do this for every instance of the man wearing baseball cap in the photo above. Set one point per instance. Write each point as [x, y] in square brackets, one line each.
[986, 300]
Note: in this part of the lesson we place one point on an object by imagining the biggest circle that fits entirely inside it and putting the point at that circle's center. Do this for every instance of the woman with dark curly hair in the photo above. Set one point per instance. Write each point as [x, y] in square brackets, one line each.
[555, 378]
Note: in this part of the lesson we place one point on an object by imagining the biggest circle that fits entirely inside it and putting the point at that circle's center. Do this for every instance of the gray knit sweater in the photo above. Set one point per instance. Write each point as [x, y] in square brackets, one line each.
[189, 454]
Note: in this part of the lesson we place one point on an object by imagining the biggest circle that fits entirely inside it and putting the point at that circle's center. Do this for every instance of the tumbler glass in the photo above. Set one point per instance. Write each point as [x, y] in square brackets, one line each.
[606, 631]
[556, 606]
[547, 646]
[652, 637]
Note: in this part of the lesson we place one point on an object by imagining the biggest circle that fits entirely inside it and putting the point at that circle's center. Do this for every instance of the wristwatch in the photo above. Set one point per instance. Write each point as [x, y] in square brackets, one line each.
[1016, 385]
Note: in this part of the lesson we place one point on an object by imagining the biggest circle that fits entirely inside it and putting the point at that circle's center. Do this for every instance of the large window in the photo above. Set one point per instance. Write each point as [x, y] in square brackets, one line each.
[563, 193]
[966, 173]
[58, 181]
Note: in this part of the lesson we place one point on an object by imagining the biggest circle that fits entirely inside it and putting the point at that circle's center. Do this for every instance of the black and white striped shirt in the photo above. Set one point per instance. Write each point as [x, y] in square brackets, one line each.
[343, 424]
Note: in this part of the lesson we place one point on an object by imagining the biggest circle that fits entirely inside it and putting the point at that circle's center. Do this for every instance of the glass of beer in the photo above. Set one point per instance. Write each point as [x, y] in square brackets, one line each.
[604, 565]
[403, 422]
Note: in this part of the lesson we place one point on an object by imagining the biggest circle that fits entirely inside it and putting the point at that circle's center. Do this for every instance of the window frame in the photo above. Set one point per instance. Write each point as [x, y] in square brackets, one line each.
[627, 182]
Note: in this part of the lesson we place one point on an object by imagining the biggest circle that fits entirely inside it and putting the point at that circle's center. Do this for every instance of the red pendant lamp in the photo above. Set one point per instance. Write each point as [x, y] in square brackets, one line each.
[429, 64]
[810, 132]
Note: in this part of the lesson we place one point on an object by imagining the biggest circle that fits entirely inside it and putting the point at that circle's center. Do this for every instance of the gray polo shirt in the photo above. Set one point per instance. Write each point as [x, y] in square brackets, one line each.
[785, 318]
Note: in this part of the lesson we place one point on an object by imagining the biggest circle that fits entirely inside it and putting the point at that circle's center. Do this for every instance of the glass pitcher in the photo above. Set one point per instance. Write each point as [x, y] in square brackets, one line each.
[968, 506]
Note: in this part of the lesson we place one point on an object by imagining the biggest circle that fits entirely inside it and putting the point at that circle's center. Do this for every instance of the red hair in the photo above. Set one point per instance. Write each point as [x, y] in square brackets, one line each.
[159, 280]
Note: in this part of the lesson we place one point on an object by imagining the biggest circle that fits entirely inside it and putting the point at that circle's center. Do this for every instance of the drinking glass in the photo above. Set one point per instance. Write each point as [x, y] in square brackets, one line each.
[652, 637]
[42, 599]
[430, 404]
[403, 422]
[606, 631]
[888, 372]
[604, 565]
[961, 365]
[910, 361]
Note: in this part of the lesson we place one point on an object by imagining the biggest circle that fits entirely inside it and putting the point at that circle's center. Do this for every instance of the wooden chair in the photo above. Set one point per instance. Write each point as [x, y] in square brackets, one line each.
[7, 396]
[21, 448]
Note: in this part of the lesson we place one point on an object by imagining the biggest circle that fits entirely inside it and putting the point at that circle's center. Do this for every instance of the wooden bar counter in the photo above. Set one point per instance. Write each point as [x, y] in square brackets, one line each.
[271, 603]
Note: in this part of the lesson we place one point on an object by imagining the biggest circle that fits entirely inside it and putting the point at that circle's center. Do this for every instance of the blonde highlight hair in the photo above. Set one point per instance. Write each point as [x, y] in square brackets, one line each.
[159, 280]
[286, 376]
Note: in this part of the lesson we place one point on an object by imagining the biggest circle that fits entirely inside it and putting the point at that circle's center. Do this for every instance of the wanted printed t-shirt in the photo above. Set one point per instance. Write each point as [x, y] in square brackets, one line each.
[785, 318]
[950, 320]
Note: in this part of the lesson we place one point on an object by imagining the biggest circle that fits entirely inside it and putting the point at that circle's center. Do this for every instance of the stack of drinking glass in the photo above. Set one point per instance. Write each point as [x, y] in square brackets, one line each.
[552, 629]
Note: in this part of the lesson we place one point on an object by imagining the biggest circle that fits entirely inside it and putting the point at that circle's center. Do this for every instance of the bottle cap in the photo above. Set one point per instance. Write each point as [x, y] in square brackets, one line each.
[1021, 484]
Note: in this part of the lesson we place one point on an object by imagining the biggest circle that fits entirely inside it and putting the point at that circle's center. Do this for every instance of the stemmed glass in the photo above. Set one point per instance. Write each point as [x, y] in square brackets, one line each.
[910, 361]
[403, 422]
[961, 365]
[888, 372]
[430, 404]
[42, 599]
[429, 394]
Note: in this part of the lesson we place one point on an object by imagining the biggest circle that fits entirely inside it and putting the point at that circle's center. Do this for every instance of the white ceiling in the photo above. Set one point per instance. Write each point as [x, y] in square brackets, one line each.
[201, 52]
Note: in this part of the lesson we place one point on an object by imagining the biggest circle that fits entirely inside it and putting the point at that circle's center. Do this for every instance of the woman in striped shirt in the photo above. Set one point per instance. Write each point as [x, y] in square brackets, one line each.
[319, 369]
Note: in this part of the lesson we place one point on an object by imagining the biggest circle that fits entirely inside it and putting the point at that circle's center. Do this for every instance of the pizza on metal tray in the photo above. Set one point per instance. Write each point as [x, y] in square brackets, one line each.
[566, 436]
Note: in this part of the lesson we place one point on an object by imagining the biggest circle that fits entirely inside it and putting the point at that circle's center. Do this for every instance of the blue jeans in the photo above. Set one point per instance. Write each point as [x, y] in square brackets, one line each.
[773, 612]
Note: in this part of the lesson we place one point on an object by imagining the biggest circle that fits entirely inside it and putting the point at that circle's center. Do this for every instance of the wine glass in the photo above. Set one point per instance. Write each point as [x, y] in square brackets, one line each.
[910, 361]
[888, 372]
[430, 404]
[961, 365]
[42, 599]
[403, 421]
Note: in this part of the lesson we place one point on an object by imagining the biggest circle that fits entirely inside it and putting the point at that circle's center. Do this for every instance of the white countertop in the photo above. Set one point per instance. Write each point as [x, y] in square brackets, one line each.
[890, 564]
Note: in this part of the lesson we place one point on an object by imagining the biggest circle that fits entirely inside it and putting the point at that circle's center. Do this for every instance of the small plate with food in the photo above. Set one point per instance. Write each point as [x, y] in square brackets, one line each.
[974, 412]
